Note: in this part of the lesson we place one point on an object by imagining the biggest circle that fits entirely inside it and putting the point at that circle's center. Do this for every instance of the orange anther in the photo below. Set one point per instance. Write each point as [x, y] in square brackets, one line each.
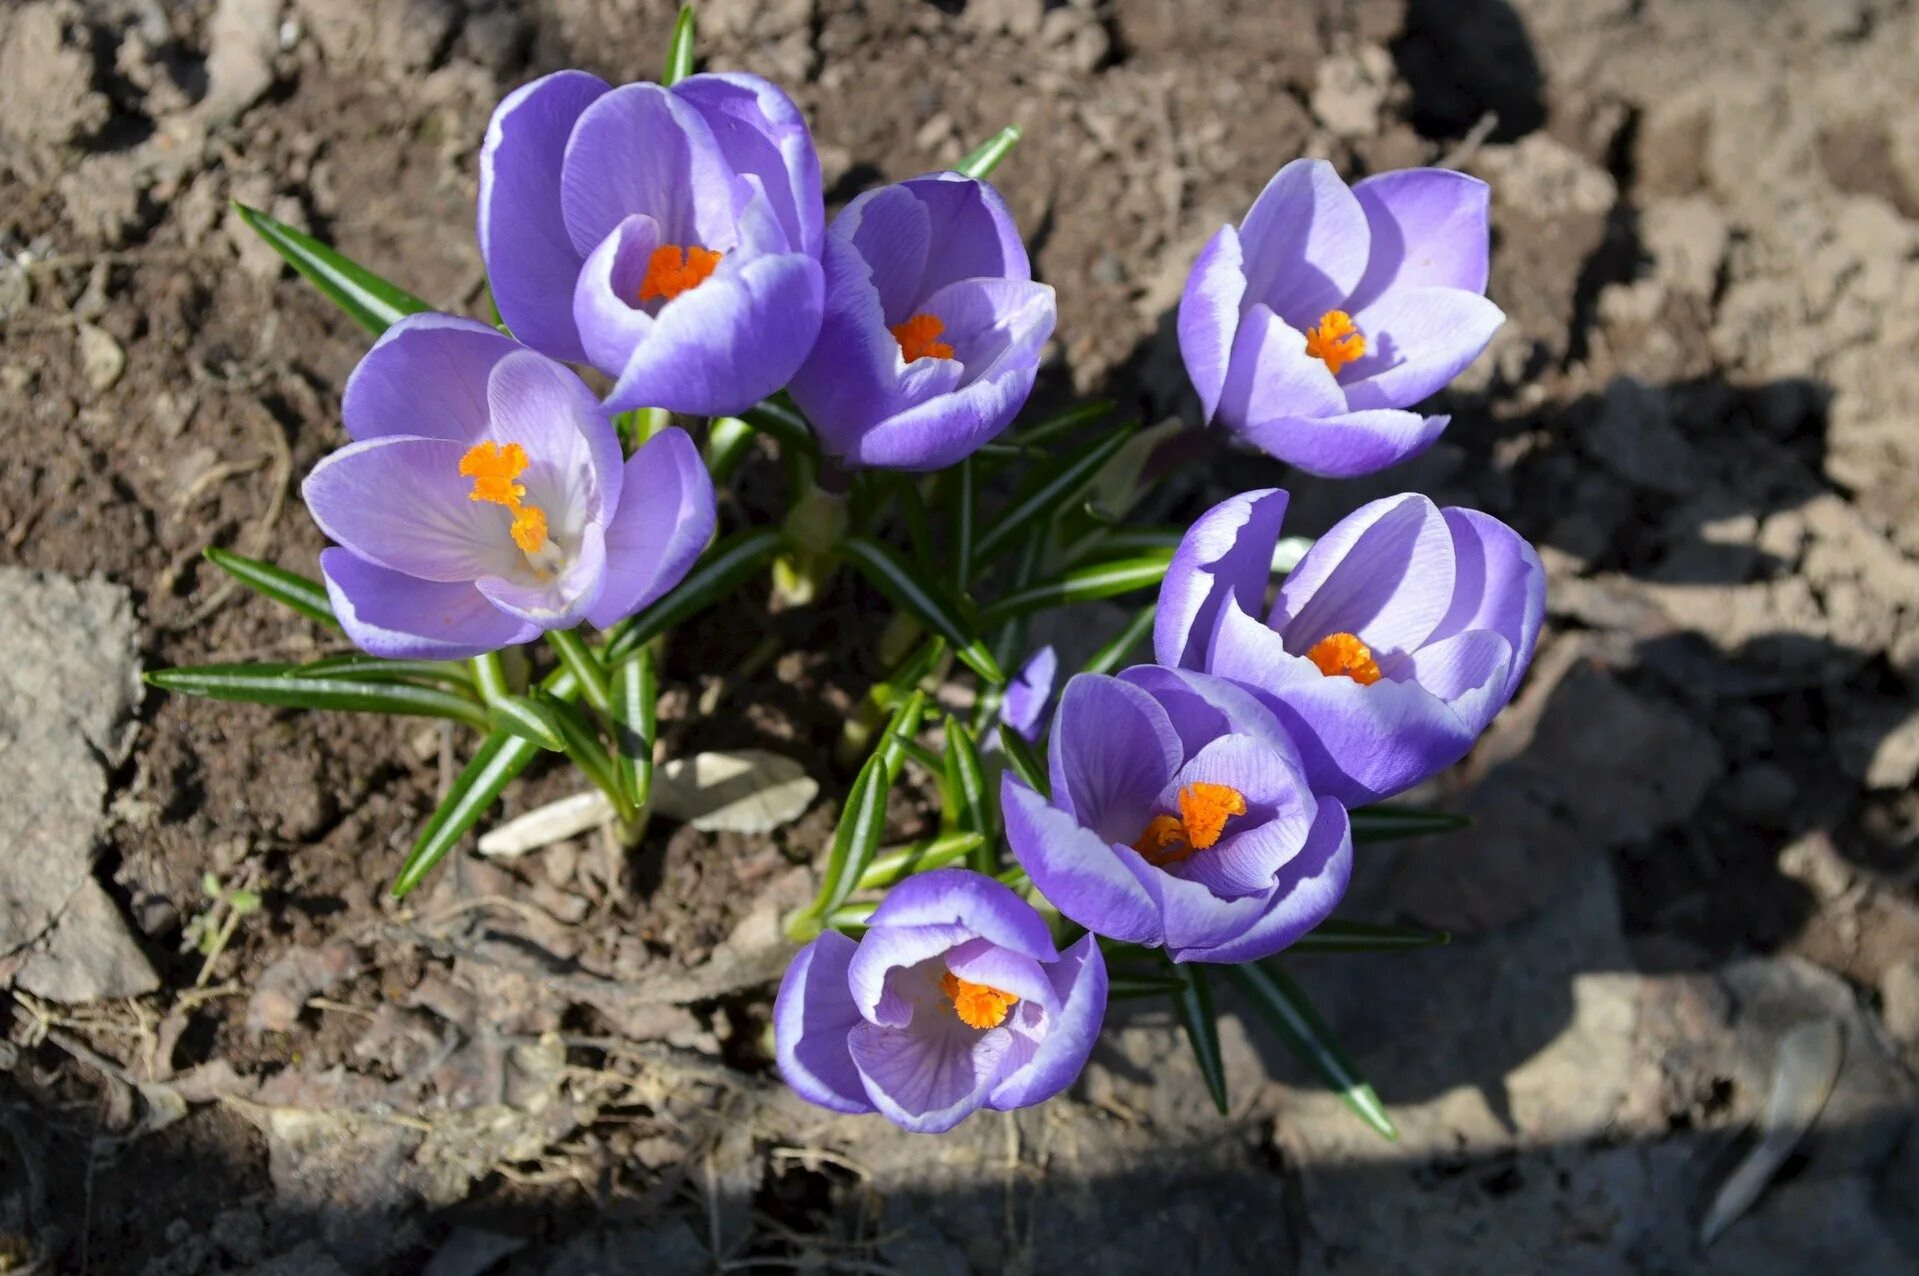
[671, 270]
[493, 469]
[919, 338]
[1345, 656]
[977, 1005]
[1203, 811]
[1335, 342]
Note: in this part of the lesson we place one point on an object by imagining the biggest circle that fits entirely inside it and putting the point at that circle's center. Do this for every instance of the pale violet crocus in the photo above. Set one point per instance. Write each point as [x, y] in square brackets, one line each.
[1390, 646]
[1313, 328]
[933, 326]
[668, 237]
[955, 999]
[483, 499]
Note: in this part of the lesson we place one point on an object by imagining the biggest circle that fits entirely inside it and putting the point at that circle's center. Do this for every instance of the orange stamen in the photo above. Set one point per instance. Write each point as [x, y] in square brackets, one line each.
[1335, 342]
[977, 1005]
[1345, 656]
[919, 338]
[1203, 812]
[493, 469]
[671, 270]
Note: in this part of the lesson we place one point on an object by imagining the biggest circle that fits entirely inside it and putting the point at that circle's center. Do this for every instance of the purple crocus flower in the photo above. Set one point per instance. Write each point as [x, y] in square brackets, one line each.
[1180, 817]
[954, 1000]
[1030, 694]
[1310, 328]
[483, 499]
[668, 237]
[1392, 644]
[933, 326]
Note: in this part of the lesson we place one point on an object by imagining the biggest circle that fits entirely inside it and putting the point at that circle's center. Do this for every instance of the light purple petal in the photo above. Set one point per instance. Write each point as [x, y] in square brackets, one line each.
[556, 602]
[663, 522]
[400, 503]
[406, 618]
[980, 961]
[1031, 690]
[1311, 886]
[1499, 585]
[718, 349]
[1429, 228]
[573, 472]
[986, 909]
[890, 954]
[891, 230]
[994, 325]
[1226, 554]
[1305, 243]
[606, 305]
[1384, 572]
[1467, 671]
[1077, 872]
[947, 428]
[1364, 744]
[1255, 845]
[1193, 916]
[1202, 707]
[1272, 376]
[928, 1078]
[812, 1019]
[640, 149]
[1079, 983]
[1417, 341]
[1346, 446]
[761, 133]
[530, 260]
[1209, 309]
[972, 232]
[1112, 751]
[425, 376]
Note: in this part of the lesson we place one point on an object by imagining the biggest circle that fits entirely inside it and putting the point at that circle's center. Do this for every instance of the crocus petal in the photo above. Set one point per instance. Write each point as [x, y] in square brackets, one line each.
[1225, 555]
[1349, 445]
[530, 259]
[1467, 671]
[1112, 750]
[1311, 886]
[994, 325]
[557, 602]
[1499, 584]
[664, 519]
[1201, 707]
[762, 133]
[405, 618]
[1031, 690]
[973, 230]
[1271, 376]
[720, 348]
[606, 307]
[1075, 870]
[889, 953]
[985, 908]
[980, 961]
[1193, 916]
[946, 428]
[891, 230]
[1417, 341]
[640, 149]
[813, 1017]
[425, 376]
[1363, 744]
[1430, 228]
[400, 503]
[1247, 652]
[1209, 309]
[1256, 844]
[1079, 991]
[928, 1078]
[1384, 572]
[1305, 242]
[574, 470]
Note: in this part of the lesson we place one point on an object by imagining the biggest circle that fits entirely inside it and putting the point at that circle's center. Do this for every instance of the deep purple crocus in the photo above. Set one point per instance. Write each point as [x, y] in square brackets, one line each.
[1179, 817]
[1392, 644]
[668, 237]
[933, 326]
[483, 499]
[955, 999]
[1312, 327]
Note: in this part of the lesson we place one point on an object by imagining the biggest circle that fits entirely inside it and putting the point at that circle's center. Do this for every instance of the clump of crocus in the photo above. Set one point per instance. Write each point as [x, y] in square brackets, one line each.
[1391, 645]
[955, 999]
[669, 237]
[1180, 817]
[484, 499]
[933, 326]
[1310, 328]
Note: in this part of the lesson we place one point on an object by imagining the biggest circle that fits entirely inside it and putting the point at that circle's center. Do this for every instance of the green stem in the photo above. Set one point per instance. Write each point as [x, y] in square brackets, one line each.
[585, 666]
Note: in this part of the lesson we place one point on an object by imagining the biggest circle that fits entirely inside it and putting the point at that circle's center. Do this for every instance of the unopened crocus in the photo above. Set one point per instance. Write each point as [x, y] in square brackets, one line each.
[1311, 328]
[484, 500]
[1180, 817]
[668, 237]
[933, 326]
[955, 999]
[1391, 645]
[1030, 694]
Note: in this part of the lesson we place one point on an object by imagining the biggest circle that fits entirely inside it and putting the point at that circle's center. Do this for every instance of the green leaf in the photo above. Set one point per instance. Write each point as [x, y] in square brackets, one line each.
[856, 840]
[493, 766]
[852, 918]
[898, 863]
[443, 673]
[289, 589]
[1058, 427]
[965, 508]
[1280, 1004]
[1119, 987]
[1024, 762]
[728, 439]
[1385, 823]
[584, 665]
[1054, 492]
[1194, 1005]
[376, 303]
[783, 425]
[914, 514]
[923, 600]
[1082, 584]
[913, 749]
[583, 746]
[985, 157]
[720, 571]
[900, 730]
[1335, 936]
[679, 54]
[636, 705]
[285, 686]
[1114, 653]
[962, 752]
[887, 695]
[529, 718]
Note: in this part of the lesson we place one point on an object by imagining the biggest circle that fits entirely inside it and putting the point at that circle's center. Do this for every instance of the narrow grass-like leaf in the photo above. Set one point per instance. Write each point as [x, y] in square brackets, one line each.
[985, 157]
[728, 440]
[913, 512]
[1194, 1004]
[1335, 936]
[856, 840]
[636, 706]
[1082, 584]
[1386, 823]
[1058, 427]
[530, 718]
[375, 303]
[493, 766]
[679, 54]
[1025, 762]
[1119, 987]
[1114, 653]
[976, 812]
[852, 918]
[965, 508]
[289, 589]
[900, 730]
[441, 673]
[898, 863]
[587, 751]
[783, 425]
[931, 761]
[1283, 1007]
[924, 600]
[719, 572]
[285, 686]
[1054, 492]
[595, 683]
